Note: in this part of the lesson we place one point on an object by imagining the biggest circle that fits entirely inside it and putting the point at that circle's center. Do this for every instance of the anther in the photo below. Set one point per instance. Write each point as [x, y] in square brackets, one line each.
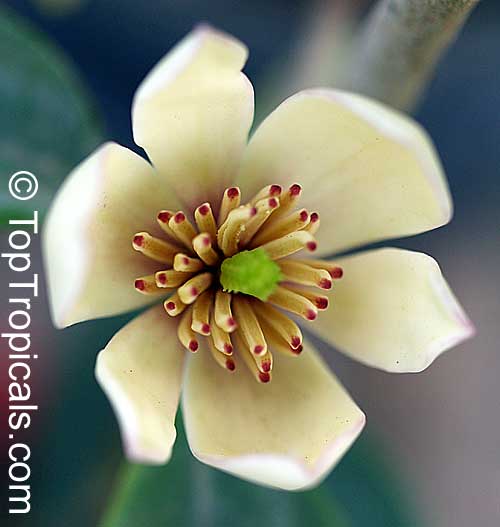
[285, 225]
[201, 313]
[182, 228]
[154, 248]
[249, 326]
[230, 201]
[222, 311]
[193, 288]
[146, 285]
[174, 306]
[186, 264]
[184, 332]
[293, 302]
[205, 220]
[301, 273]
[280, 323]
[264, 208]
[171, 278]
[202, 245]
[289, 244]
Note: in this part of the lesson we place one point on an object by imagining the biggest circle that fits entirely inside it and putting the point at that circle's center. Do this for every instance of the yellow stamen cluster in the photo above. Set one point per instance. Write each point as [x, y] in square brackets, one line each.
[237, 324]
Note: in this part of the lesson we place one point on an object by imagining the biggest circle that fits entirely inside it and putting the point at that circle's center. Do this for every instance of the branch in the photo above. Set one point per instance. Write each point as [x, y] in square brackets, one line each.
[399, 47]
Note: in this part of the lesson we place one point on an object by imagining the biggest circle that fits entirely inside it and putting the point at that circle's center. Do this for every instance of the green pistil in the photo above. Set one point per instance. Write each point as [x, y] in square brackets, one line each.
[250, 272]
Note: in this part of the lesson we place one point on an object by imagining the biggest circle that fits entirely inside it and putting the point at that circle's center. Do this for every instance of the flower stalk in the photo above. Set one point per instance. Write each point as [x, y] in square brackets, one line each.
[400, 45]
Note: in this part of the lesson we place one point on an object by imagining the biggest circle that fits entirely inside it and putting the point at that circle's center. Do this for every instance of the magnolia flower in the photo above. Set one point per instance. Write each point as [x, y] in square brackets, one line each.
[212, 228]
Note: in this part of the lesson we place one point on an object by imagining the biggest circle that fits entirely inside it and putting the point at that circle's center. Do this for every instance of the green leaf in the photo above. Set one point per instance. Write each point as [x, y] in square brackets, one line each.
[250, 272]
[187, 493]
[48, 121]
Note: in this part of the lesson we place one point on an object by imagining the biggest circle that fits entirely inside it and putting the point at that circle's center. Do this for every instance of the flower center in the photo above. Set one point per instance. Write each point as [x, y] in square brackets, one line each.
[224, 276]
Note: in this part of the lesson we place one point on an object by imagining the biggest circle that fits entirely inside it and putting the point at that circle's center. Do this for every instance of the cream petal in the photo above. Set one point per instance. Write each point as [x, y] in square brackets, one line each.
[286, 434]
[87, 238]
[392, 310]
[193, 112]
[370, 172]
[140, 370]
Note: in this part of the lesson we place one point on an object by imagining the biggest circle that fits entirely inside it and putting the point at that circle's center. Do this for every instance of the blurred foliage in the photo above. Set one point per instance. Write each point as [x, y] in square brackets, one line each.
[48, 121]
[184, 493]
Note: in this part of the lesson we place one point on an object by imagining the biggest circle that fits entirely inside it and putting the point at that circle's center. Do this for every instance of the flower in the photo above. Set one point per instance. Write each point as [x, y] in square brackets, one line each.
[120, 228]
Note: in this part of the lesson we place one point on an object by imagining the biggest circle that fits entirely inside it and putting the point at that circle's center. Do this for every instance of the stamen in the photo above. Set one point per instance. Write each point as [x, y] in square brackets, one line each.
[301, 273]
[184, 332]
[229, 234]
[283, 226]
[163, 218]
[283, 325]
[186, 264]
[294, 303]
[154, 248]
[194, 287]
[289, 244]
[205, 220]
[147, 285]
[287, 200]
[202, 245]
[222, 311]
[313, 224]
[174, 306]
[264, 362]
[334, 271]
[271, 191]
[182, 228]
[230, 201]
[201, 313]
[244, 352]
[265, 207]
[221, 358]
[320, 301]
[276, 342]
[171, 278]
[221, 339]
[249, 325]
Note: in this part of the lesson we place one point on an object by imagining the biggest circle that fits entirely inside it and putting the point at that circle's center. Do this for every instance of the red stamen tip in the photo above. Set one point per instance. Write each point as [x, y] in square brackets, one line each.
[228, 348]
[230, 365]
[266, 366]
[311, 315]
[314, 217]
[321, 302]
[193, 345]
[311, 246]
[164, 216]
[295, 189]
[139, 240]
[231, 322]
[233, 192]
[204, 209]
[264, 376]
[179, 217]
[296, 342]
[336, 272]
[253, 211]
[185, 260]
[273, 203]
[162, 278]
[274, 190]
[170, 306]
[206, 241]
[205, 329]
[258, 349]
[140, 285]
[325, 283]
[304, 215]
[194, 291]
[298, 350]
